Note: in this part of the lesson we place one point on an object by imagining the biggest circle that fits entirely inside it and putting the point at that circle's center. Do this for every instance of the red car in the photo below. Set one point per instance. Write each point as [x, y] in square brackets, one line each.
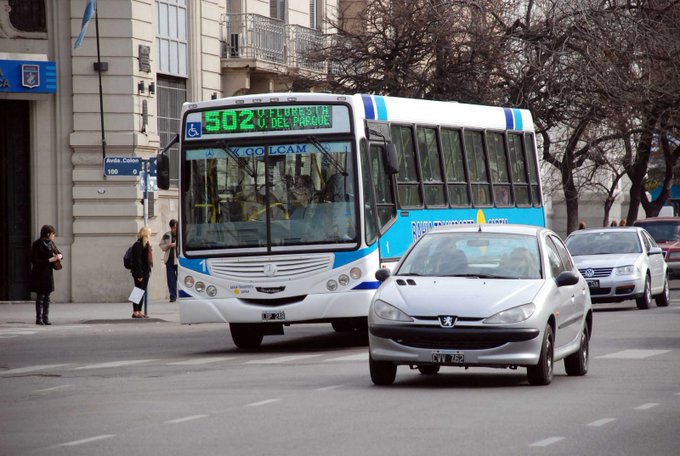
[666, 233]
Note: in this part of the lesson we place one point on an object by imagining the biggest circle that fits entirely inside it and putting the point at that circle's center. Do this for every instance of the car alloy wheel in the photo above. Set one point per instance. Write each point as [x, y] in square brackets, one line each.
[577, 363]
[664, 299]
[541, 373]
[646, 298]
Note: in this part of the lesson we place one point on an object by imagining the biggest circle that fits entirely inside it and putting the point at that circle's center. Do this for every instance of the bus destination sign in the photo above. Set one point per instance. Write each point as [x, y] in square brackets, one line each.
[281, 118]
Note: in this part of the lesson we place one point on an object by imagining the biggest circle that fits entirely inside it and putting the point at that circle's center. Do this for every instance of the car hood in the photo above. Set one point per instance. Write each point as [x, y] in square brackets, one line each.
[464, 297]
[606, 260]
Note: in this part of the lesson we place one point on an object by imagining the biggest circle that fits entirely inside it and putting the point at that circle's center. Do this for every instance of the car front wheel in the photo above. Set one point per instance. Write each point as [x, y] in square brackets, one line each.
[646, 298]
[383, 373]
[577, 363]
[664, 298]
[541, 373]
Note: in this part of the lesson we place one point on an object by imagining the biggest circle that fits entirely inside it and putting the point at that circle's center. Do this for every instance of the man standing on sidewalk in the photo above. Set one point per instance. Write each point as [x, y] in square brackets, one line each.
[168, 245]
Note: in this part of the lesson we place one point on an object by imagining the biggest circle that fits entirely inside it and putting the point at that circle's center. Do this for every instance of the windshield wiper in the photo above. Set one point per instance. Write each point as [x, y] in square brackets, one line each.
[327, 155]
[242, 162]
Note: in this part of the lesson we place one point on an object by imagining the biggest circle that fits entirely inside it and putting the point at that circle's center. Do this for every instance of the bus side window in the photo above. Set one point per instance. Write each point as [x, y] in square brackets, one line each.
[384, 198]
[520, 182]
[454, 167]
[498, 162]
[408, 184]
[478, 172]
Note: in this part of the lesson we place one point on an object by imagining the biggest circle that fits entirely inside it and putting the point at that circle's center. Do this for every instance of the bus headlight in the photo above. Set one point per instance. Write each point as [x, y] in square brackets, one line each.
[332, 285]
[200, 286]
[355, 273]
[343, 279]
[189, 281]
[211, 290]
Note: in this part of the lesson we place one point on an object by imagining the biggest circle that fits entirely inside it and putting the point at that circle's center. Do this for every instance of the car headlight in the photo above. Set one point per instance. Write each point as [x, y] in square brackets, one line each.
[625, 270]
[389, 312]
[513, 315]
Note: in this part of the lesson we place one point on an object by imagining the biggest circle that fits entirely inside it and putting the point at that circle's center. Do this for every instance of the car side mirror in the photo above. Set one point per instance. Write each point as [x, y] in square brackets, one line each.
[567, 278]
[163, 171]
[655, 251]
[382, 274]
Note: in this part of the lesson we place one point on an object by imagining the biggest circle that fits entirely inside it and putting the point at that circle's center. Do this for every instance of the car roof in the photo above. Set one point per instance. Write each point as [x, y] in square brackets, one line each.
[530, 230]
[658, 219]
[607, 229]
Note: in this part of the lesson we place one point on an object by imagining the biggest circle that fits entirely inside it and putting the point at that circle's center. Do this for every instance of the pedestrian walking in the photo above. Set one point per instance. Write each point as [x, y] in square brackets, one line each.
[142, 262]
[168, 245]
[45, 258]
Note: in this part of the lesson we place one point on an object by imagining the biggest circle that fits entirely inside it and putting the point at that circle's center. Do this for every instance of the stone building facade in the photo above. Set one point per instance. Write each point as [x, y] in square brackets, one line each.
[151, 56]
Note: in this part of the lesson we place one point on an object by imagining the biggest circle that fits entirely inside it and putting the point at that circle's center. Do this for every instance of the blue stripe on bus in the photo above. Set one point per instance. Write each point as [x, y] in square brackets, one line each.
[184, 294]
[518, 119]
[367, 286]
[368, 107]
[380, 105]
[343, 258]
[508, 118]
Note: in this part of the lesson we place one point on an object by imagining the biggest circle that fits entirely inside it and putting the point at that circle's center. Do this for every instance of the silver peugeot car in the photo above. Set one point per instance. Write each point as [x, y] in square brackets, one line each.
[481, 295]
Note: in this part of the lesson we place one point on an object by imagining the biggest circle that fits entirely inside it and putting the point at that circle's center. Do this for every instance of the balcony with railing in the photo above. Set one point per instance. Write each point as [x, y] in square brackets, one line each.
[270, 41]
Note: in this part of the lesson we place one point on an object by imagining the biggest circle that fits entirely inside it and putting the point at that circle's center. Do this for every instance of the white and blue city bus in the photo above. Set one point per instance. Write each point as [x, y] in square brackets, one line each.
[290, 202]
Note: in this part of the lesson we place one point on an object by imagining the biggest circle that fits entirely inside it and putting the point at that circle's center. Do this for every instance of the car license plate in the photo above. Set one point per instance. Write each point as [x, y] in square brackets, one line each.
[593, 283]
[448, 358]
[274, 316]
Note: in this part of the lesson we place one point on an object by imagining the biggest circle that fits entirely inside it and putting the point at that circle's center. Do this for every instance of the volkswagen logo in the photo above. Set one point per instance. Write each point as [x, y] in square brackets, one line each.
[447, 321]
[270, 269]
[589, 272]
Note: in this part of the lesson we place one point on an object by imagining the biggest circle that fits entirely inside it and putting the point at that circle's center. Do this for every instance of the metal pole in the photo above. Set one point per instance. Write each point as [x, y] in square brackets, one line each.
[145, 167]
[101, 98]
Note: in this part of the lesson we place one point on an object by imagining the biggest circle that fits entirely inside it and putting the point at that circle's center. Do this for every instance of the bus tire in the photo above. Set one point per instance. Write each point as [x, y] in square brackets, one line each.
[246, 335]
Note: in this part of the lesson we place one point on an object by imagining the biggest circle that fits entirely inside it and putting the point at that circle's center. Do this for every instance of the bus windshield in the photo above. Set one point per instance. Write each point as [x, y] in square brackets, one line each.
[270, 195]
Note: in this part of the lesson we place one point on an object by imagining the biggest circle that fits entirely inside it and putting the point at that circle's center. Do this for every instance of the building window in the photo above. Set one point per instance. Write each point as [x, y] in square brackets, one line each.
[277, 9]
[27, 15]
[171, 36]
[171, 94]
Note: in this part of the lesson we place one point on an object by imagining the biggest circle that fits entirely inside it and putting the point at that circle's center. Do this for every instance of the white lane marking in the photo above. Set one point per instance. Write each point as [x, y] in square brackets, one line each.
[357, 357]
[186, 418]
[54, 388]
[25, 370]
[646, 406]
[114, 364]
[633, 354]
[601, 422]
[257, 404]
[17, 332]
[199, 361]
[328, 388]
[7, 337]
[281, 359]
[546, 442]
[82, 441]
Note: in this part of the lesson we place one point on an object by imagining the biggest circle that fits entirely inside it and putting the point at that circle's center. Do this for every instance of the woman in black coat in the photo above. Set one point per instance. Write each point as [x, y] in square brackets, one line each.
[142, 261]
[44, 256]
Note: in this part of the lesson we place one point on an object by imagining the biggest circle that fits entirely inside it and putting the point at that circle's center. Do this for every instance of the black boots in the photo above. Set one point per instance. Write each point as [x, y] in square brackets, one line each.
[42, 310]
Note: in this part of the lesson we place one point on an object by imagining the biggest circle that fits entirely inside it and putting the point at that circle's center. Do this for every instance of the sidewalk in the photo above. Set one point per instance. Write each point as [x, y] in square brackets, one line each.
[23, 312]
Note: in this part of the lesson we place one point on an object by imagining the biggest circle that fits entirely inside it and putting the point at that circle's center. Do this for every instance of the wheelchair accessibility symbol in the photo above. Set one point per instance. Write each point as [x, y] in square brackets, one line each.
[193, 130]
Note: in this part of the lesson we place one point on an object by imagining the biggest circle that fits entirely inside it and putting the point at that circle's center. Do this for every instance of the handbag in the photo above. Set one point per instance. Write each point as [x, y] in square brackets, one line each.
[57, 264]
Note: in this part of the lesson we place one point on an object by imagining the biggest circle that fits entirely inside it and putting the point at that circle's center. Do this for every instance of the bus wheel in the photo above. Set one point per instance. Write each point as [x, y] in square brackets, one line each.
[246, 335]
[358, 325]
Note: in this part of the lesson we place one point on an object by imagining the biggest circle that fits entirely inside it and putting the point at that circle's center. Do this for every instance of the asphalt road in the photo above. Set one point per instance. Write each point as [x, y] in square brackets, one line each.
[96, 383]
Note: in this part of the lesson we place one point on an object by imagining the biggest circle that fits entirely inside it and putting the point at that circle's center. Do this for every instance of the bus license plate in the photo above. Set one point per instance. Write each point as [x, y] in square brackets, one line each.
[593, 283]
[448, 358]
[274, 316]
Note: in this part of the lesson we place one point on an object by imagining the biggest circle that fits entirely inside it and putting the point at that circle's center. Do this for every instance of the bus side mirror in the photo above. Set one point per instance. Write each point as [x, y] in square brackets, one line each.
[391, 160]
[163, 171]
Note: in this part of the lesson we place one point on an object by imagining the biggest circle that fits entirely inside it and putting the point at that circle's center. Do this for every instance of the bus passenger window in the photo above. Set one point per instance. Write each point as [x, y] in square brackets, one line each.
[519, 170]
[431, 166]
[407, 181]
[499, 169]
[479, 174]
[454, 167]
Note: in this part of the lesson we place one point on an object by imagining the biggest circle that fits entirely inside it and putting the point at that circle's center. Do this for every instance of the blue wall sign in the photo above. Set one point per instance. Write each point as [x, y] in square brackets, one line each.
[26, 76]
[122, 166]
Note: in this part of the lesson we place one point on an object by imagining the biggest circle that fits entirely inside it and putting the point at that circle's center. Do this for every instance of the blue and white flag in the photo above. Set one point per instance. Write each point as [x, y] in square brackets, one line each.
[90, 9]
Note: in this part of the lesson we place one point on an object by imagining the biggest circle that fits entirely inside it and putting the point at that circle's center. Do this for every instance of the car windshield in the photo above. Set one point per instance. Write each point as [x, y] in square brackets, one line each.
[662, 231]
[474, 254]
[604, 242]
